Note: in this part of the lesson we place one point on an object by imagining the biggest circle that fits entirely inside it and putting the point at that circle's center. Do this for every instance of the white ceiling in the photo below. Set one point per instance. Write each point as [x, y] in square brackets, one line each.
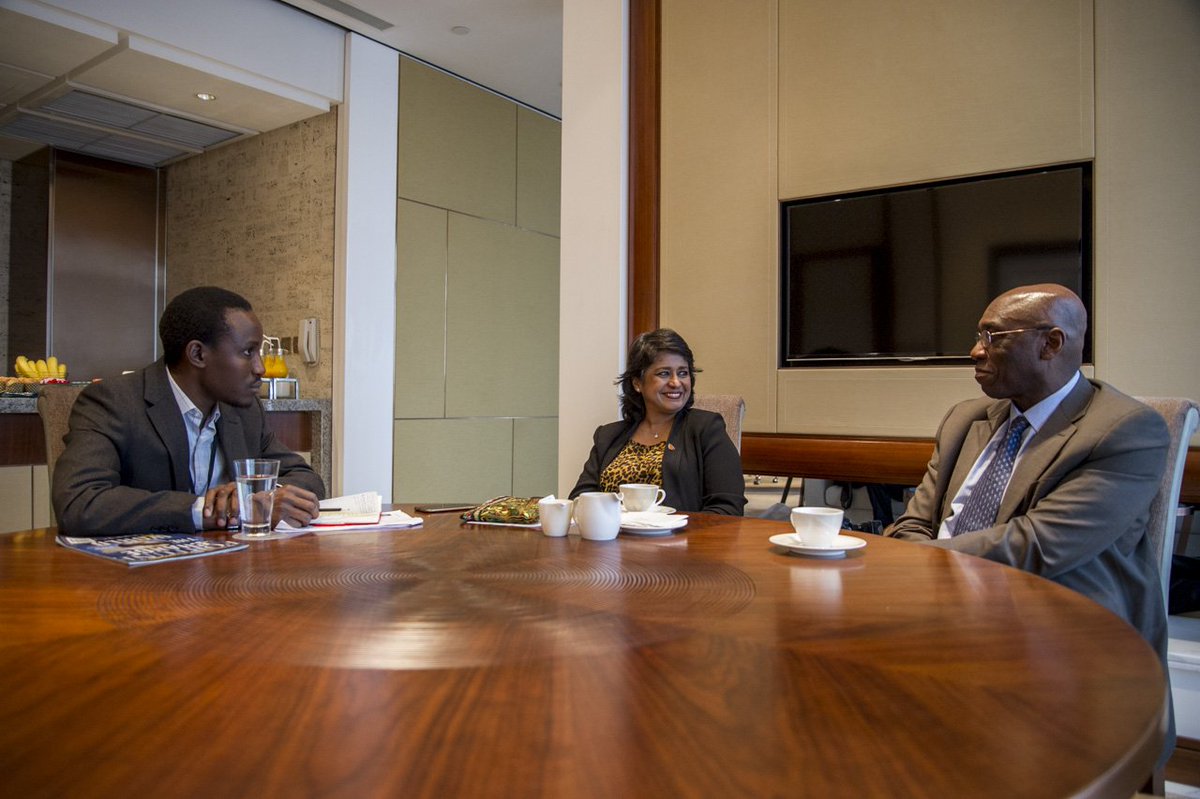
[514, 46]
[45, 55]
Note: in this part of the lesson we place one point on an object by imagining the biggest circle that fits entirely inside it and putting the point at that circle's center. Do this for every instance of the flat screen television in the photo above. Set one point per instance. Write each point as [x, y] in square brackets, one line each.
[902, 275]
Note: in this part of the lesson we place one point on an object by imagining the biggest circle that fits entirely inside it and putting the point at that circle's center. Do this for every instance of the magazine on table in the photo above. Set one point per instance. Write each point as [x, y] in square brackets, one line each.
[148, 548]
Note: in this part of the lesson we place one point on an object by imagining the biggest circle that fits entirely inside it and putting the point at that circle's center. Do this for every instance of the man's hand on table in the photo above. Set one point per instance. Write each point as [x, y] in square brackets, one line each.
[220, 507]
[297, 506]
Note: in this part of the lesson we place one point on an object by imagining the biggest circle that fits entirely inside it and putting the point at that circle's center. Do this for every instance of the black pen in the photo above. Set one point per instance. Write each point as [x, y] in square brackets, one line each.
[329, 508]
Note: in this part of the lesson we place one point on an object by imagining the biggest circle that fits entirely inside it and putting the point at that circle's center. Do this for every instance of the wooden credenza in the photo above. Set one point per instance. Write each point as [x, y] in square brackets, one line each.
[899, 461]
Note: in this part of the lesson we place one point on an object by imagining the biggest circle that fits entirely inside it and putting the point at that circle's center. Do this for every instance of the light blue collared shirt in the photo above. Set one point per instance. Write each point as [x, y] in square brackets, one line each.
[206, 463]
[1037, 416]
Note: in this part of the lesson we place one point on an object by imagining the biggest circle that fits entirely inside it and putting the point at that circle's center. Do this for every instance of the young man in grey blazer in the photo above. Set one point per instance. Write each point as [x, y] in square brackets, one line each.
[153, 451]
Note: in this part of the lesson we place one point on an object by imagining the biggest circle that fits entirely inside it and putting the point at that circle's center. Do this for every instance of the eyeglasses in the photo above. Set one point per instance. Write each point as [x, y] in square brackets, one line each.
[985, 337]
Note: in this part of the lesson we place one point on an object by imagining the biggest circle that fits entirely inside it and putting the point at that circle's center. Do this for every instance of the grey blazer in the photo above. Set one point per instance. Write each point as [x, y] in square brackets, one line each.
[1075, 511]
[125, 466]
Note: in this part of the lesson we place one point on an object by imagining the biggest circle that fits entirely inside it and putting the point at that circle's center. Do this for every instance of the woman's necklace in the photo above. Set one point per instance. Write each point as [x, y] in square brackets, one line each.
[658, 434]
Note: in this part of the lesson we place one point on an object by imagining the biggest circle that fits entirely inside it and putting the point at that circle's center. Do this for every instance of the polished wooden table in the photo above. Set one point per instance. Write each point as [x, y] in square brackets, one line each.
[487, 661]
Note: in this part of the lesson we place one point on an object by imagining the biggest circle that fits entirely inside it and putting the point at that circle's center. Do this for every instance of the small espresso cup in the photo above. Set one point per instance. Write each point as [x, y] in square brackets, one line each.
[555, 516]
[815, 526]
[641, 496]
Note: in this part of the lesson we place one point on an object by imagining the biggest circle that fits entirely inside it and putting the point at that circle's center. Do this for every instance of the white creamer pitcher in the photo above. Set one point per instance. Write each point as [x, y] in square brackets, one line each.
[598, 515]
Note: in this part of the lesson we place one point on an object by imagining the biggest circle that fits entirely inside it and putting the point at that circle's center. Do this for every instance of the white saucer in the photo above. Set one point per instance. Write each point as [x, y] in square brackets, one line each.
[838, 549]
[657, 509]
[651, 523]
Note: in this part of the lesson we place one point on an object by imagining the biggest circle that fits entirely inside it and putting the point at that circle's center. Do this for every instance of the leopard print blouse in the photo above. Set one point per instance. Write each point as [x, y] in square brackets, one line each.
[635, 463]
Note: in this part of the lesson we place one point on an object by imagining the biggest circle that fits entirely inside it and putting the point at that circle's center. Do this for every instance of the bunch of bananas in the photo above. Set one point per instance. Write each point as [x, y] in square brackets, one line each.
[39, 369]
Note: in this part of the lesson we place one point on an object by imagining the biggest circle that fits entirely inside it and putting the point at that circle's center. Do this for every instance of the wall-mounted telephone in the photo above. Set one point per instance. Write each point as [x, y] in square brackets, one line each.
[309, 342]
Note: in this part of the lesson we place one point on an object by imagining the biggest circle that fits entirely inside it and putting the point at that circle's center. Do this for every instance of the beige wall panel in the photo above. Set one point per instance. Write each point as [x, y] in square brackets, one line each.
[719, 213]
[1147, 298]
[539, 152]
[452, 460]
[256, 217]
[882, 92]
[535, 457]
[16, 498]
[502, 321]
[458, 144]
[420, 310]
[873, 401]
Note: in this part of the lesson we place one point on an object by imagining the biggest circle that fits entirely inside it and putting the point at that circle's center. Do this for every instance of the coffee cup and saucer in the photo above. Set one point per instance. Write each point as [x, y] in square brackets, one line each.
[643, 498]
[642, 511]
[816, 534]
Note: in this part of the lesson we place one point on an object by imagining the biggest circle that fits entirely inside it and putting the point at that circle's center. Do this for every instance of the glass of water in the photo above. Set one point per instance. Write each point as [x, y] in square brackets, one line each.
[256, 481]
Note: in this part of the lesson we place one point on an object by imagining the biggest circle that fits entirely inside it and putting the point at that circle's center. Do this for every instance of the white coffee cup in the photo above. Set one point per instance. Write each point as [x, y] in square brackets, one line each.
[598, 515]
[555, 516]
[641, 496]
[815, 526]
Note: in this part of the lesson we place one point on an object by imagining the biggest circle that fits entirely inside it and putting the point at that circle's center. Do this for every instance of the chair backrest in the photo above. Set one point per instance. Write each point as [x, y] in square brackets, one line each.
[730, 406]
[1182, 416]
[54, 406]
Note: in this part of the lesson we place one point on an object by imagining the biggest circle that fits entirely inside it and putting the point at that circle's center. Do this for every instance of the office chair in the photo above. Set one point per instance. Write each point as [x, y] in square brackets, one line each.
[1182, 416]
[54, 405]
[731, 406]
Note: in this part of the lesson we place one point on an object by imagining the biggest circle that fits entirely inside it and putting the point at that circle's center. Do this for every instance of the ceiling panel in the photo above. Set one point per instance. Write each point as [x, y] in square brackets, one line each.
[162, 82]
[47, 55]
[80, 137]
[513, 47]
[41, 46]
[15, 83]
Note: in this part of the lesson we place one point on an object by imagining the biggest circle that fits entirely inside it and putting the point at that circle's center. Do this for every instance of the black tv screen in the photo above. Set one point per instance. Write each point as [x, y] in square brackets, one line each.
[903, 275]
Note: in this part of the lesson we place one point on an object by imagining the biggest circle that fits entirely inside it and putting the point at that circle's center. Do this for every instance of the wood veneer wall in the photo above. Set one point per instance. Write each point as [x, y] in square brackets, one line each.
[645, 40]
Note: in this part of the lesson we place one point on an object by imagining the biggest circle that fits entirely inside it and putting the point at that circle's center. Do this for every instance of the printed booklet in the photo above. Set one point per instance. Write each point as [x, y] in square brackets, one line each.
[142, 550]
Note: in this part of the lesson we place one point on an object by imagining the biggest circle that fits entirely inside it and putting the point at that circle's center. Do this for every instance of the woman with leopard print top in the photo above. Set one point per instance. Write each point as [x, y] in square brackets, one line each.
[662, 439]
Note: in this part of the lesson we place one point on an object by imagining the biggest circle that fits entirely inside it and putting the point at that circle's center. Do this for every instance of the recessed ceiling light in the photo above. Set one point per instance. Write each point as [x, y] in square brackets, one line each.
[461, 30]
[205, 96]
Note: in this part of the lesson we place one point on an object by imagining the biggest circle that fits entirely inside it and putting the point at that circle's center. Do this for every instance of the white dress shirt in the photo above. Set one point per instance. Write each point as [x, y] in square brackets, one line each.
[206, 463]
[1037, 416]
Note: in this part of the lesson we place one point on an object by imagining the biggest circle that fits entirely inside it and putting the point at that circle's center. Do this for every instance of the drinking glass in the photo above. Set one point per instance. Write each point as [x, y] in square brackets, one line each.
[256, 481]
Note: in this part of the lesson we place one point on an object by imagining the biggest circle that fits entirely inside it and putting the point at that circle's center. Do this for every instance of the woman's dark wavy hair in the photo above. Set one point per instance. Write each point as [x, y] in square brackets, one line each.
[642, 352]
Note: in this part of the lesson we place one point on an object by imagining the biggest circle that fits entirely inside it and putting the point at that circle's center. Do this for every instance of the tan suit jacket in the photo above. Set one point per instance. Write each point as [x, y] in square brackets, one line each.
[1075, 511]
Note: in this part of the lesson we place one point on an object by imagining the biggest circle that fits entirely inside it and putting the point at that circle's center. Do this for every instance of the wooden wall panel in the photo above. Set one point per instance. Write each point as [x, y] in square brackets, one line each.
[645, 43]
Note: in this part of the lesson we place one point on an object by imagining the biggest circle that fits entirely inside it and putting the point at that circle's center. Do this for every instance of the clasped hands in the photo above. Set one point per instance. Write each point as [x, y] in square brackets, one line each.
[297, 506]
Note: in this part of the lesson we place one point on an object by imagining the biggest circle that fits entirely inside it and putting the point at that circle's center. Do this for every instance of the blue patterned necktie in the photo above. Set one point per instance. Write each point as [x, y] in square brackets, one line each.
[984, 502]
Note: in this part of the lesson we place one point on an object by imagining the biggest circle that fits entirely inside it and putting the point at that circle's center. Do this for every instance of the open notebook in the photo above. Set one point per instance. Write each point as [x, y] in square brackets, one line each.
[364, 508]
[353, 513]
